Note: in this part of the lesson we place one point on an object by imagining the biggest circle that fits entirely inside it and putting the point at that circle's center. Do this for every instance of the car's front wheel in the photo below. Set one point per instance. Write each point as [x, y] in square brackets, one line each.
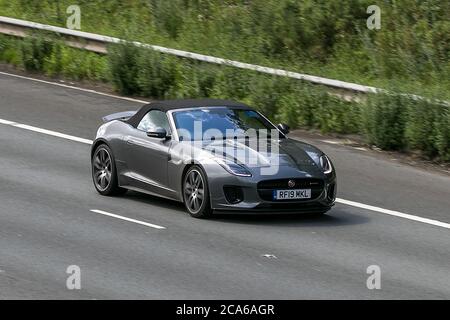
[104, 172]
[196, 193]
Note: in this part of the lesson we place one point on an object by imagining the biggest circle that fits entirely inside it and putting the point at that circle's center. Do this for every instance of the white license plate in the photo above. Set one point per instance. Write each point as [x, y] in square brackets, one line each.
[292, 194]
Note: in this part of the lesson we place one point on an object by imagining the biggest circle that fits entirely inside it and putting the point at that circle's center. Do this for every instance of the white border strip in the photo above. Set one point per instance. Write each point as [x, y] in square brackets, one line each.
[127, 219]
[338, 200]
[45, 131]
[394, 213]
[51, 133]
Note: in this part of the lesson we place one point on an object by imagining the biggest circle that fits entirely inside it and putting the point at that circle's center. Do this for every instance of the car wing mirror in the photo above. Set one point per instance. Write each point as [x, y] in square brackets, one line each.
[284, 128]
[159, 133]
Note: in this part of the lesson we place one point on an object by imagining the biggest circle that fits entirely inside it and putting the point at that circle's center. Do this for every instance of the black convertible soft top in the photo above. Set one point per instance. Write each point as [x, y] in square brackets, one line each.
[166, 105]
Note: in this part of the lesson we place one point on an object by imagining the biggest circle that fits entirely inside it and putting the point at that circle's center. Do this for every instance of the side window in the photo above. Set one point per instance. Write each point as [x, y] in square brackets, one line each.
[154, 119]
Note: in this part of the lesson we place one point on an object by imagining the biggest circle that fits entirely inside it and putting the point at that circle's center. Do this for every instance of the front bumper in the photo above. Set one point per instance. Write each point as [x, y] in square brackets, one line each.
[256, 191]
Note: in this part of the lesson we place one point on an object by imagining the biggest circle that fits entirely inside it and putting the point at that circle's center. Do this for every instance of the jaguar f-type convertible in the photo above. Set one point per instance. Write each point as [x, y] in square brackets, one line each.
[212, 155]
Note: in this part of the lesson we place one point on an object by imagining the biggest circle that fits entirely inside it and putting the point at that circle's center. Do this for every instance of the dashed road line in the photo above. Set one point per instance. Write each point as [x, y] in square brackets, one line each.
[151, 225]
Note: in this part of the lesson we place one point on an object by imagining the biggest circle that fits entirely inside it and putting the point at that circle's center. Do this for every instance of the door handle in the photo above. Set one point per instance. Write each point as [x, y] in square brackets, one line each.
[130, 142]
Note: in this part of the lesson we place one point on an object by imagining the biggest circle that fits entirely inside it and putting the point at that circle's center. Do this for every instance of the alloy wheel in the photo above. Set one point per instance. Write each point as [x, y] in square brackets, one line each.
[194, 191]
[102, 169]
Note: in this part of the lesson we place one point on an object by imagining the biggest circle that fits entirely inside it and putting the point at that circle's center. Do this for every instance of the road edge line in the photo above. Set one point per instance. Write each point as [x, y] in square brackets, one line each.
[74, 88]
[394, 213]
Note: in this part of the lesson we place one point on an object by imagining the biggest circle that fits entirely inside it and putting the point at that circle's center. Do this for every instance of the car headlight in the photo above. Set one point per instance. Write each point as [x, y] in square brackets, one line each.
[234, 168]
[325, 164]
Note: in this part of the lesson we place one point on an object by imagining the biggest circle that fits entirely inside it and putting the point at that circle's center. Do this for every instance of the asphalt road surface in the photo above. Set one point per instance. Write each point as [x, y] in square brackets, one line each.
[46, 223]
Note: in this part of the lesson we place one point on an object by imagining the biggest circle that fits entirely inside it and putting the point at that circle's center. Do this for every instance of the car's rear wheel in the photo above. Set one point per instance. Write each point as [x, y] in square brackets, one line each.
[104, 172]
[196, 193]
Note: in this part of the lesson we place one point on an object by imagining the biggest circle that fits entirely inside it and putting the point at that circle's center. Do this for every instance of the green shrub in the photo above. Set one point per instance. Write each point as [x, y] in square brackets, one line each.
[420, 128]
[168, 16]
[266, 92]
[289, 110]
[442, 140]
[9, 50]
[233, 83]
[189, 85]
[398, 122]
[52, 57]
[384, 121]
[205, 76]
[310, 106]
[123, 62]
[157, 74]
[333, 114]
[76, 64]
[34, 50]
[197, 80]
[308, 101]
[53, 63]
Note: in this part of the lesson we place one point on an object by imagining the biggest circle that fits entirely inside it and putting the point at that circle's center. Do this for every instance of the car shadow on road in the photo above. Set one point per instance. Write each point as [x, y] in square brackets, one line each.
[337, 216]
[154, 201]
[334, 217]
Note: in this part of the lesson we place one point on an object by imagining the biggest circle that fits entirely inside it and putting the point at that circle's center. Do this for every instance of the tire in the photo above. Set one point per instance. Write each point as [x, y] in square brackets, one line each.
[104, 172]
[196, 193]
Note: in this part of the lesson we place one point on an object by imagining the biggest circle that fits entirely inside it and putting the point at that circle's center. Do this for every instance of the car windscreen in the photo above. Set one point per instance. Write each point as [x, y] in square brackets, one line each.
[219, 122]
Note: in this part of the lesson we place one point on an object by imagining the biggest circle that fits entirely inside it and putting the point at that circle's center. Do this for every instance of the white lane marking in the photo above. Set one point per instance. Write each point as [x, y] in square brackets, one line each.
[75, 88]
[394, 213]
[343, 201]
[7, 122]
[269, 256]
[51, 133]
[127, 219]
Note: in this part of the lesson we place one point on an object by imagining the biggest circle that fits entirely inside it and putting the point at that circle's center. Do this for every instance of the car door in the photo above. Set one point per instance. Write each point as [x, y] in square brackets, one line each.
[147, 157]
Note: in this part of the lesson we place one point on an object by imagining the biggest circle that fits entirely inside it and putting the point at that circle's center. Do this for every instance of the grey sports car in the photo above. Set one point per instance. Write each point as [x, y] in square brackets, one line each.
[212, 155]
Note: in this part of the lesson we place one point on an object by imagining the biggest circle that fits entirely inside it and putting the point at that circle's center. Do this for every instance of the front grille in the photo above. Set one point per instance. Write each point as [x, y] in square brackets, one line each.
[265, 188]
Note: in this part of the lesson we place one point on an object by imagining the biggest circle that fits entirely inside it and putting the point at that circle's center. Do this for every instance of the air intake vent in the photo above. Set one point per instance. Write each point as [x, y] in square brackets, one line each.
[233, 194]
